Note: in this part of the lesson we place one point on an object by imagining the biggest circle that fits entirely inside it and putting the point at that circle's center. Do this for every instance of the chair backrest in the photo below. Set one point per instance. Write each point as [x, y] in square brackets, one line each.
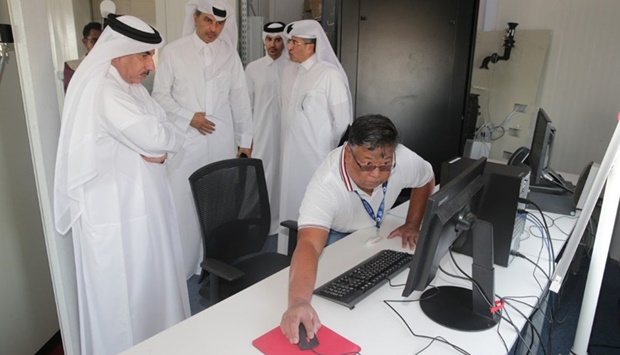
[233, 207]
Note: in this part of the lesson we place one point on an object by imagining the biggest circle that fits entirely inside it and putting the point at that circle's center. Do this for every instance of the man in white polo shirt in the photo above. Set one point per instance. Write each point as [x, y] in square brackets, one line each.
[351, 190]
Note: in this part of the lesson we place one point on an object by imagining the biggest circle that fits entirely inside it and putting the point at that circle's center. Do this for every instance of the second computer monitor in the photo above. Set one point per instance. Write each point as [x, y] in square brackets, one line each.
[542, 145]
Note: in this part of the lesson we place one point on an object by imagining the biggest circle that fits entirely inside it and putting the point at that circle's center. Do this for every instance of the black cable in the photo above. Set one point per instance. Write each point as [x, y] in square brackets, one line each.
[531, 324]
[467, 278]
[551, 320]
[545, 230]
[453, 275]
[394, 286]
[509, 321]
[517, 330]
[537, 223]
[558, 227]
[433, 339]
[535, 308]
[545, 222]
[532, 337]
[499, 323]
[547, 217]
[474, 282]
[517, 254]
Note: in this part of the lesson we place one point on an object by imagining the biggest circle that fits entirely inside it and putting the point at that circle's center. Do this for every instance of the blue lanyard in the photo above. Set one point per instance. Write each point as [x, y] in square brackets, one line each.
[369, 210]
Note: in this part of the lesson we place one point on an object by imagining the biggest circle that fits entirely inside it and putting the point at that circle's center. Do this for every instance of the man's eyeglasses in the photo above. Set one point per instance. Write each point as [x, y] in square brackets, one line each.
[296, 42]
[92, 40]
[371, 167]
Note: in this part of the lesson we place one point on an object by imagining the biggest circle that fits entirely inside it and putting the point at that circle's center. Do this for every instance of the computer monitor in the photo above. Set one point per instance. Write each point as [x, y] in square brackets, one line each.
[542, 144]
[450, 213]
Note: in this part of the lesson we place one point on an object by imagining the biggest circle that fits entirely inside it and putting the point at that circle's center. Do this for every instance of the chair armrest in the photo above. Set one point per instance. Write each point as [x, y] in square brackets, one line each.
[290, 224]
[220, 269]
[292, 235]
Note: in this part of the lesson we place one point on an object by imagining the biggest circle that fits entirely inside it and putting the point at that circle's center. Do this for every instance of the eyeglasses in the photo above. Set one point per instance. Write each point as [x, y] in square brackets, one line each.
[370, 167]
[296, 42]
[93, 40]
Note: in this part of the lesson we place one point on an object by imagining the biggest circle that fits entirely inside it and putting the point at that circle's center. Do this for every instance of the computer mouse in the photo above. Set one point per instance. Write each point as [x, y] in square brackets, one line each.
[304, 342]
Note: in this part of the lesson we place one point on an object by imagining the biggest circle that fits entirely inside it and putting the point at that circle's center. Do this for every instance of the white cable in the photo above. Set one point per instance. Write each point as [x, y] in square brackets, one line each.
[4, 57]
[509, 118]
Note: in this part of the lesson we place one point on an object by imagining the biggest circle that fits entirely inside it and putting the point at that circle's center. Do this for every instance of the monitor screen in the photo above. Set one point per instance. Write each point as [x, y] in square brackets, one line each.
[542, 143]
[450, 213]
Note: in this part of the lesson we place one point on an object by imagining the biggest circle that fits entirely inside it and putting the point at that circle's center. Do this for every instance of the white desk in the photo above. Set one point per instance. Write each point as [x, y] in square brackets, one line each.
[230, 326]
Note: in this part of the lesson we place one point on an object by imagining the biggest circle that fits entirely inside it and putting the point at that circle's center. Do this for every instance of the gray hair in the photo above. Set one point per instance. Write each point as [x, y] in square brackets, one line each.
[373, 131]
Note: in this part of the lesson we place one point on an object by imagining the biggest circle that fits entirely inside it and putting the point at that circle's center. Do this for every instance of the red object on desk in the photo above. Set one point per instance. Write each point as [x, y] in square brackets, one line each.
[274, 343]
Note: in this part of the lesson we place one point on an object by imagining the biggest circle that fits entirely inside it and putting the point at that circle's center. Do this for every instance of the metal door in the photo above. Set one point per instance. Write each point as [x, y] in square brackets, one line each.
[410, 62]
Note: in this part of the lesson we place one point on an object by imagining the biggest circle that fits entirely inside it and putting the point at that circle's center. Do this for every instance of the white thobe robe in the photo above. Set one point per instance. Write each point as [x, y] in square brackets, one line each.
[263, 77]
[315, 114]
[184, 85]
[129, 265]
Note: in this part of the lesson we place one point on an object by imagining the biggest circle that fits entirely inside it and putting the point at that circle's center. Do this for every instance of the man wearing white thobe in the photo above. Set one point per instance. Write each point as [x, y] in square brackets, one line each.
[201, 84]
[263, 77]
[316, 110]
[112, 191]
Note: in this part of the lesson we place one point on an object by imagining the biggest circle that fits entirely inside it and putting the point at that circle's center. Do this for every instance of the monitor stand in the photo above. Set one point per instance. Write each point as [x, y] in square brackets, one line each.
[547, 189]
[551, 187]
[460, 308]
[550, 200]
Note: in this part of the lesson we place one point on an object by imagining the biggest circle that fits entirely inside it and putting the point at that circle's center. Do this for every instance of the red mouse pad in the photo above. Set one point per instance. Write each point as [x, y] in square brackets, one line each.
[330, 343]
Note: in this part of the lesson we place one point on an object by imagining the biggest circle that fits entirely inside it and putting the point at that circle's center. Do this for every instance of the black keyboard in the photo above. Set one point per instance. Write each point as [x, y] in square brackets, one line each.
[358, 282]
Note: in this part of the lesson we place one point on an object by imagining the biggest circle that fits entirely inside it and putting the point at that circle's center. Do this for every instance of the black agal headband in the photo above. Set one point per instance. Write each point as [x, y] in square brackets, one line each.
[133, 33]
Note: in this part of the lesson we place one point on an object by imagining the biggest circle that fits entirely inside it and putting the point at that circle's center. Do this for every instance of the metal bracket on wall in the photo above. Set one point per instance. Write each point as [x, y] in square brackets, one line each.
[509, 43]
[6, 37]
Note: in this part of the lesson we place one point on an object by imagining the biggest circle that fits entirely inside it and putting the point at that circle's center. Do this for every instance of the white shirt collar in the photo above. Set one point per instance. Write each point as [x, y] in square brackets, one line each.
[309, 62]
[271, 60]
[201, 45]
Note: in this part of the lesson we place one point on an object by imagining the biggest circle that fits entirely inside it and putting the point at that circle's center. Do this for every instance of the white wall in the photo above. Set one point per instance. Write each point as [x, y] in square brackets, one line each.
[82, 14]
[581, 80]
[27, 306]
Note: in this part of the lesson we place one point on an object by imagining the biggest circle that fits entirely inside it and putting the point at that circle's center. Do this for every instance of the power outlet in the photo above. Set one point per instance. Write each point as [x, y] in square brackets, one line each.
[520, 108]
[514, 131]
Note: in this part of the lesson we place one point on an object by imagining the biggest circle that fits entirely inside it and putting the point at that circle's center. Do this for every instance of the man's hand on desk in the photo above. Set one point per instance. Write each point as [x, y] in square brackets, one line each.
[301, 312]
[409, 234]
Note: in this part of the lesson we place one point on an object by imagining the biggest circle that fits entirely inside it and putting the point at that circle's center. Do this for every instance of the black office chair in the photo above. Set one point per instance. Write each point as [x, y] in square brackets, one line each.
[233, 210]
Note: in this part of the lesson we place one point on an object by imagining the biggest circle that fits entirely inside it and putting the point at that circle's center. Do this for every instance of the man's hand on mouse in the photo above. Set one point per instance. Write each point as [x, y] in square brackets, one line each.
[301, 312]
